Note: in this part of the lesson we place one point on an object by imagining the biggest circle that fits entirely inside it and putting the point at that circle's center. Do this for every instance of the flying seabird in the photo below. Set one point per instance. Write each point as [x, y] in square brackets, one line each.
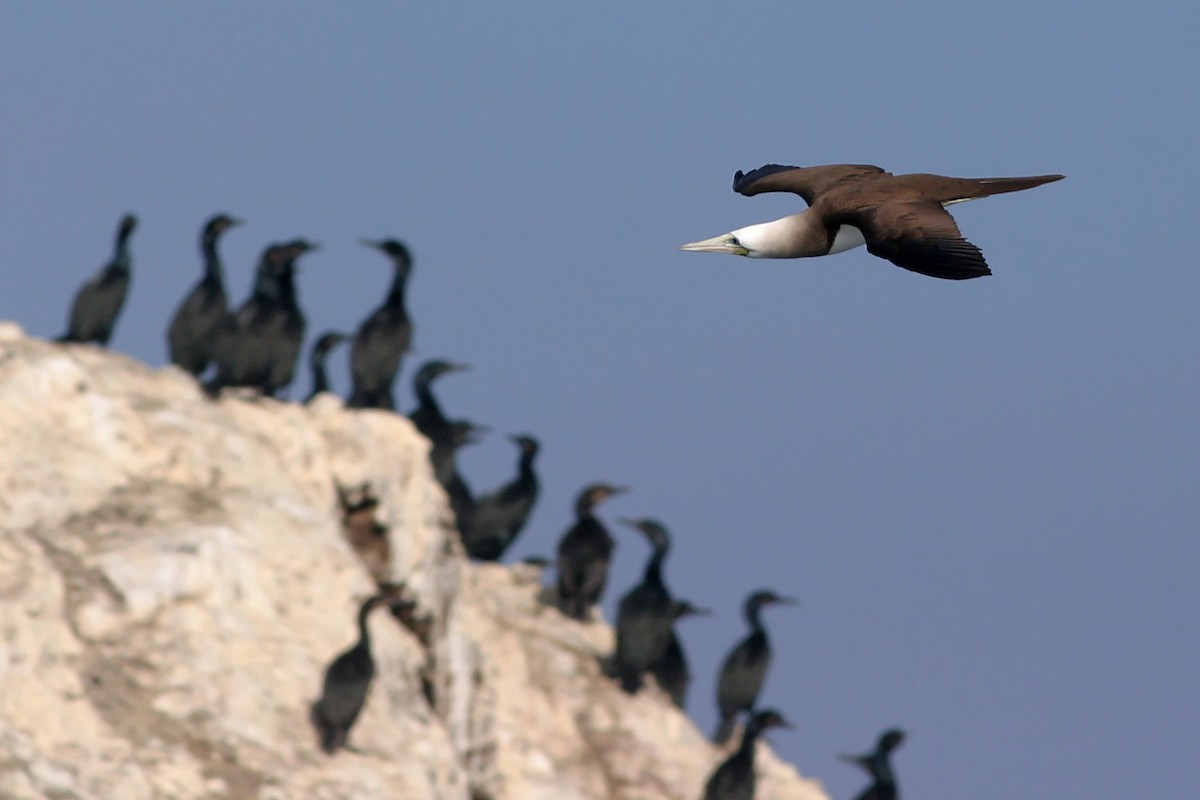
[901, 218]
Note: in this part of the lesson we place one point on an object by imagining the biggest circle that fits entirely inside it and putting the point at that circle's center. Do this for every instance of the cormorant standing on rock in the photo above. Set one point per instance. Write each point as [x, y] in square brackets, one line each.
[500, 516]
[584, 553]
[745, 667]
[261, 347]
[346, 682]
[646, 612]
[670, 670]
[734, 779]
[316, 361]
[99, 301]
[384, 337]
[203, 315]
[878, 765]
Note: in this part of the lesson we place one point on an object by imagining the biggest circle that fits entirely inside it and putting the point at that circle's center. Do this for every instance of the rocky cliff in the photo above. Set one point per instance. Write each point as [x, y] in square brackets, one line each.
[174, 579]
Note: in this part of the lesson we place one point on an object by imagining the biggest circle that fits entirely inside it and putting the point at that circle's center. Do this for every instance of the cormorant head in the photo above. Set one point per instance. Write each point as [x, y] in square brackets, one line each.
[595, 494]
[392, 248]
[684, 608]
[128, 223]
[766, 719]
[219, 223]
[653, 530]
[327, 341]
[529, 445]
[890, 739]
[298, 247]
[435, 369]
[463, 432]
[763, 597]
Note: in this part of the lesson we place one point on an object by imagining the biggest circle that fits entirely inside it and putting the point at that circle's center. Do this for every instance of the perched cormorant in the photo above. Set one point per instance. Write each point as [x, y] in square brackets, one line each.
[316, 361]
[346, 682]
[646, 612]
[384, 336]
[204, 314]
[734, 779]
[670, 670]
[584, 553]
[99, 301]
[745, 667]
[498, 517]
[879, 767]
[428, 416]
[261, 347]
[901, 218]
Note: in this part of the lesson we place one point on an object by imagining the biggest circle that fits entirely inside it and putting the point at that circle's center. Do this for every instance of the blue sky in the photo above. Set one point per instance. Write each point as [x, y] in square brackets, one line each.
[983, 493]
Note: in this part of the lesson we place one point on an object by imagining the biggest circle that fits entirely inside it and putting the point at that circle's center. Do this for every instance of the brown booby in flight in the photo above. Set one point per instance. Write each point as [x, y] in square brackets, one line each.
[898, 217]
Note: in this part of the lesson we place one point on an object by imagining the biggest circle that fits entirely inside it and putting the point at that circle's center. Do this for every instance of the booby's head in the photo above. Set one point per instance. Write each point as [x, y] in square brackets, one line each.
[781, 238]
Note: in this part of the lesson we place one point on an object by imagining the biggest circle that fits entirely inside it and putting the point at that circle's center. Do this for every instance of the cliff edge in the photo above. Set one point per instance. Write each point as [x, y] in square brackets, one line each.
[174, 579]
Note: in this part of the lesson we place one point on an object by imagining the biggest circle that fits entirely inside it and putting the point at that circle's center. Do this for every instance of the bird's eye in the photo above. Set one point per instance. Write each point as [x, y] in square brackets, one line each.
[734, 240]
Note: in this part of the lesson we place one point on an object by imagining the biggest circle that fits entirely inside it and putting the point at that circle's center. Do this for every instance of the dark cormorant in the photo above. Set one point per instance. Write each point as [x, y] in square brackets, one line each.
[583, 554]
[500, 516]
[745, 667]
[316, 361]
[204, 314]
[383, 338]
[428, 416]
[670, 670]
[346, 682]
[261, 347]
[99, 301]
[645, 613]
[877, 764]
[734, 779]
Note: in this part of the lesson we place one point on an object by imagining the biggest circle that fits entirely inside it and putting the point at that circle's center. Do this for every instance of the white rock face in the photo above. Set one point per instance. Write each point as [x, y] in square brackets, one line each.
[174, 580]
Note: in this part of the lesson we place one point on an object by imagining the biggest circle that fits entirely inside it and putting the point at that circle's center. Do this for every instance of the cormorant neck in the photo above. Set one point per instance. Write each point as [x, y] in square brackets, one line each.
[525, 467]
[364, 634]
[122, 259]
[266, 284]
[395, 296]
[212, 260]
[425, 399]
[320, 379]
[752, 617]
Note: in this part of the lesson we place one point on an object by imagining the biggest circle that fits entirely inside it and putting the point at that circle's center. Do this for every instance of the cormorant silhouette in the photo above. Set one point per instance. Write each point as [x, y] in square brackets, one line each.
[384, 337]
[734, 779]
[878, 766]
[645, 613]
[745, 667]
[316, 361]
[347, 679]
[261, 347]
[584, 553]
[203, 315]
[499, 517]
[98, 302]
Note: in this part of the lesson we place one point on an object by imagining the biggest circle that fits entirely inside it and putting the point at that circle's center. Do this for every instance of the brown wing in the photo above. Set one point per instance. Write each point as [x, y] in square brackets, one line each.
[808, 182]
[922, 237]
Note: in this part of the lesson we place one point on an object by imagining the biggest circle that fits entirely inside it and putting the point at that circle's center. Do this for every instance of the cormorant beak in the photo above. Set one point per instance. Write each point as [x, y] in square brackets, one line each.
[234, 222]
[701, 612]
[787, 601]
[370, 243]
[725, 243]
